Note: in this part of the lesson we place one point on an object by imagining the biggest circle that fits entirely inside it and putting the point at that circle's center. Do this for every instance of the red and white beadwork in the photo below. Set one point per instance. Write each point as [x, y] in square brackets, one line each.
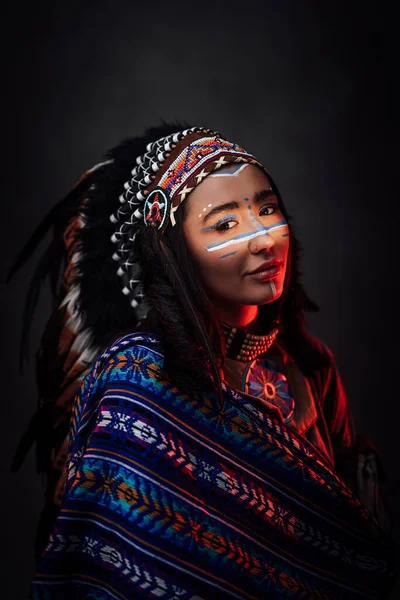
[156, 209]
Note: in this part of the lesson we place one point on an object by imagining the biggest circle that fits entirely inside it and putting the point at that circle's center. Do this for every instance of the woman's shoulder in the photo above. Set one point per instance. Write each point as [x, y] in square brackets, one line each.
[136, 357]
[311, 352]
[138, 343]
[320, 347]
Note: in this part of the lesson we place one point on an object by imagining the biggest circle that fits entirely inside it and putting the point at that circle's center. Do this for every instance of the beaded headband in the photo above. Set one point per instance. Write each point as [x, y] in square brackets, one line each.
[163, 177]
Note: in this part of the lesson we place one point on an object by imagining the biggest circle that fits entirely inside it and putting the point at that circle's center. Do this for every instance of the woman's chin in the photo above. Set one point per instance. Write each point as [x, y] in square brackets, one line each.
[264, 295]
[257, 300]
[267, 292]
[269, 297]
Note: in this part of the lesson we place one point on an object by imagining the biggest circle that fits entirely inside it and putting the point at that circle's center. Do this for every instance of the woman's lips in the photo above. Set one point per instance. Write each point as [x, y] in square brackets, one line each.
[267, 272]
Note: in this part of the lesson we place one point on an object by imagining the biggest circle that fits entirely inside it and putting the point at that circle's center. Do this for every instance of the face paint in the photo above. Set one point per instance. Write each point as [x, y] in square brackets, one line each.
[209, 206]
[226, 255]
[237, 169]
[245, 237]
[253, 219]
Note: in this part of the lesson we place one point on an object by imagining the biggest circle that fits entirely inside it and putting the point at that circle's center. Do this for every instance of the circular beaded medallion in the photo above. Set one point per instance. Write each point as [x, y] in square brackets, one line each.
[156, 209]
[263, 380]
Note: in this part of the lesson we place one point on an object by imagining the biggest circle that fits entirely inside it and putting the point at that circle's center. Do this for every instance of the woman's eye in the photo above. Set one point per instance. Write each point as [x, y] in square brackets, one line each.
[268, 209]
[225, 226]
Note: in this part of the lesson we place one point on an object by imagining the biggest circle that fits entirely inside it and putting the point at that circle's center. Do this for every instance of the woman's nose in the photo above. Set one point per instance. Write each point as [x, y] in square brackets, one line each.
[264, 241]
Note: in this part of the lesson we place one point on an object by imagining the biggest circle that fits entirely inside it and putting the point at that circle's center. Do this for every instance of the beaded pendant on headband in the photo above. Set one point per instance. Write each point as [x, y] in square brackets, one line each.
[156, 209]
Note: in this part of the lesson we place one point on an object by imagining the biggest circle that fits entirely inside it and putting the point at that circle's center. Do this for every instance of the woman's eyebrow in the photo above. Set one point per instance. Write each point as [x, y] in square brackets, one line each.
[264, 194]
[220, 208]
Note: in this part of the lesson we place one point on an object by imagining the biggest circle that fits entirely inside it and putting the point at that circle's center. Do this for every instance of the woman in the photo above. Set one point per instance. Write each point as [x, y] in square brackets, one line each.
[211, 444]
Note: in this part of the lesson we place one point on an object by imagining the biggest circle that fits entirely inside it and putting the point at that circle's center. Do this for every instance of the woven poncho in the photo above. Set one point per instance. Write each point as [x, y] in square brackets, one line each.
[168, 496]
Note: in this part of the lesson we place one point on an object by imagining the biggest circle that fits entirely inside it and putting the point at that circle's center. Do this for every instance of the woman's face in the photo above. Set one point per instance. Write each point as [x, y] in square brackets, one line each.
[238, 236]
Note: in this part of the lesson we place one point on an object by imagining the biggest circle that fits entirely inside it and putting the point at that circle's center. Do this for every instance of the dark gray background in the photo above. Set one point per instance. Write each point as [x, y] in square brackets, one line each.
[310, 90]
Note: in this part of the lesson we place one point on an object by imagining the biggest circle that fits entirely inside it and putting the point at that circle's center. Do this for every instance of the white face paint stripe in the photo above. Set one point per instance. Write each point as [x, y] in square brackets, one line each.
[234, 173]
[273, 288]
[244, 238]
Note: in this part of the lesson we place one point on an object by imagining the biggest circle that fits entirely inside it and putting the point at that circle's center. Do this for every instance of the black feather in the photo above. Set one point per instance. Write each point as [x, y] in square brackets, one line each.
[48, 261]
[57, 216]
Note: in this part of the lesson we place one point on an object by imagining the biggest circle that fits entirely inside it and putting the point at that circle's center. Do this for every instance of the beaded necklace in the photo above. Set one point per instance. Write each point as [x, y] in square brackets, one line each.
[247, 346]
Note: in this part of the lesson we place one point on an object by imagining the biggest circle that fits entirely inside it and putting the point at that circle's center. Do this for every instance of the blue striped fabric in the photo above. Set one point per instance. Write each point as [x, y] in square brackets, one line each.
[169, 496]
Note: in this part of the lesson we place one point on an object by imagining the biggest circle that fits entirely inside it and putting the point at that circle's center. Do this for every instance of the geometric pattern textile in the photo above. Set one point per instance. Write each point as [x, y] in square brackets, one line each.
[169, 496]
